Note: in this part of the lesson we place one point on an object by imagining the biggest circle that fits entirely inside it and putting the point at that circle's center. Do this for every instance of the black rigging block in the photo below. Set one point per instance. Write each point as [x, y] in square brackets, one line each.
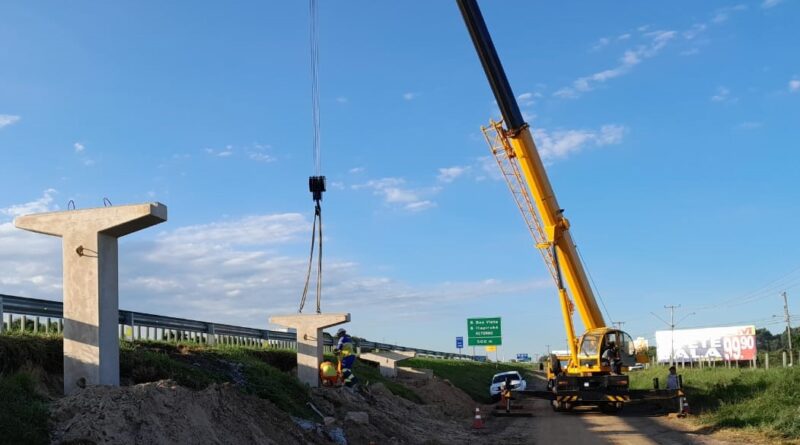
[316, 185]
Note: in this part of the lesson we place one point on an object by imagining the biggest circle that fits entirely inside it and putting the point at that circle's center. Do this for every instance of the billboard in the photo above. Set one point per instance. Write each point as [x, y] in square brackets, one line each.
[709, 344]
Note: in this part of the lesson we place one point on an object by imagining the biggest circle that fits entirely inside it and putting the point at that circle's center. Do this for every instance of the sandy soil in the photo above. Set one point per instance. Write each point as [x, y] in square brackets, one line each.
[162, 413]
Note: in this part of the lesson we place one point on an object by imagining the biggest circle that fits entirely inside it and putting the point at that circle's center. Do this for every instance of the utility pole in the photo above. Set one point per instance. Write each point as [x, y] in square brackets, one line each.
[548, 350]
[788, 327]
[672, 334]
[618, 324]
[671, 323]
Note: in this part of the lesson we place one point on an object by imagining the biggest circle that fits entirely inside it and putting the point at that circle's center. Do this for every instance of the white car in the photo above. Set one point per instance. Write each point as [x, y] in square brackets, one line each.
[517, 383]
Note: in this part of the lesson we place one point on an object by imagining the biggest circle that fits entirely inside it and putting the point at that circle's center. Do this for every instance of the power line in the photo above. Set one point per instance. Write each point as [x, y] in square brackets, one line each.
[786, 281]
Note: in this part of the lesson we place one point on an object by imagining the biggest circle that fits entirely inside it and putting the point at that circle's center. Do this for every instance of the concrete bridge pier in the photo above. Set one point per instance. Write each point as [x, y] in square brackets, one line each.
[91, 284]
[310, 342]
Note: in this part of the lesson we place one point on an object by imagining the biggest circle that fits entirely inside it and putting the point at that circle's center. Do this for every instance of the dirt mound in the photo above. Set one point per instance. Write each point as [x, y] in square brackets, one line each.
[163, 412]
[454, 402]
[389, 418]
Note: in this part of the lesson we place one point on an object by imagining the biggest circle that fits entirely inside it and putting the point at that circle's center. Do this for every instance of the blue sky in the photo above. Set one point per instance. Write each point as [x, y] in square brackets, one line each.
[669, 133]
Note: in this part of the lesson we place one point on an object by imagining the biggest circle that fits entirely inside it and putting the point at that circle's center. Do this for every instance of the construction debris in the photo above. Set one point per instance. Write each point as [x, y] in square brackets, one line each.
[390, 418]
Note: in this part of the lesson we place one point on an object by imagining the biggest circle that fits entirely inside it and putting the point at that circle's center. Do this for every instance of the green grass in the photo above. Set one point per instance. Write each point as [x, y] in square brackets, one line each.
[263, 373]
[369, 375]
[753, 399]
[473, 378]
[23, 412]
[18, 350]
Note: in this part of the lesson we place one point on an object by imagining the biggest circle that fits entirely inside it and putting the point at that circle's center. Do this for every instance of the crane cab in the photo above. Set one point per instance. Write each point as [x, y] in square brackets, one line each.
[594, 343]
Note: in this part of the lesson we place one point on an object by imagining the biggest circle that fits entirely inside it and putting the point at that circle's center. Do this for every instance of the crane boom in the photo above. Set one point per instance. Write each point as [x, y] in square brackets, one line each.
[522, 147]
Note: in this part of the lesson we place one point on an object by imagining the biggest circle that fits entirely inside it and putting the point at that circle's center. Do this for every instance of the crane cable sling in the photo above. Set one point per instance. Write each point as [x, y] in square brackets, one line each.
[316, 183]
[314, 229]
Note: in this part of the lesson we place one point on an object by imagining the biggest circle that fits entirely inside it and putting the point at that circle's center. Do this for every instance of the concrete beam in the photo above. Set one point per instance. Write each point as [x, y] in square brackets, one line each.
[310, 342]
[387, 360]
[91, 283]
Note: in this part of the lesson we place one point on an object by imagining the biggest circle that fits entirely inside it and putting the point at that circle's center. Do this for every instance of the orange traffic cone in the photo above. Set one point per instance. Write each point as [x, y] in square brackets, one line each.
[478, 422]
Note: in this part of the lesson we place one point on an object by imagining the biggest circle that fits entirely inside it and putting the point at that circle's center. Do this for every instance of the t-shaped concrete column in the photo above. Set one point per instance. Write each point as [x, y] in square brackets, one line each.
[91, 288]
[310, 342]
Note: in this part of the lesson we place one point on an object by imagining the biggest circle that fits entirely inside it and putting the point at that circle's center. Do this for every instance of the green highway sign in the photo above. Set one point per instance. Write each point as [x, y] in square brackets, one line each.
[484, 331]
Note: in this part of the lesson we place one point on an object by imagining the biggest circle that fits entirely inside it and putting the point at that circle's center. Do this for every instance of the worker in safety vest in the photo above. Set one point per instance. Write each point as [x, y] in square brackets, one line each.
[346, 351]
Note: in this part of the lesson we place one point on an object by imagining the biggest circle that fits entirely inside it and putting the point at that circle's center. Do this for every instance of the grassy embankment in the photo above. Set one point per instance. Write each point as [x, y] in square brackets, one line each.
[471, 377]
[767, 401]
[31, 365]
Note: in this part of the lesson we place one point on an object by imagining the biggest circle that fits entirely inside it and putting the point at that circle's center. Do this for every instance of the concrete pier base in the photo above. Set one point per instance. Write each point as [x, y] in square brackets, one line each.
[91, 284]
[310, 342]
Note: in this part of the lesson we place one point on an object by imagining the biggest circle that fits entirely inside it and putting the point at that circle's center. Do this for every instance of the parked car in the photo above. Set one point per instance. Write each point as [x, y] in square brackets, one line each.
[636, 367]
[517, 383]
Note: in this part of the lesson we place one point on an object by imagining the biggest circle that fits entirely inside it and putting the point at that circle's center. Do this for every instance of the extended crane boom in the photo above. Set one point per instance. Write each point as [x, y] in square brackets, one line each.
[588, 378]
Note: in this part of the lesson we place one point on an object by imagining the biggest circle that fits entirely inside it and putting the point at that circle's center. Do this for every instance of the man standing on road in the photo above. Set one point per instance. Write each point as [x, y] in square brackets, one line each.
[346, 352]
[672, 379]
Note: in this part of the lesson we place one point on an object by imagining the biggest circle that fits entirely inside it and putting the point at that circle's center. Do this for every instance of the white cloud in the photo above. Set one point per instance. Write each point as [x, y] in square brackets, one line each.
[723, 14]
[8, 119]
[224, 153]
[418, 206]
[657, 40]
[450, 174]
[766, 4]
[561, 144]
[694, 31]
[488, 165]
[88, 162]
[410, 96]
[341, 100]
[257, 152]
[250, 230]
[356, 170]
[526, 99]
[78, 147]
[601, 43]
[751, 125]
[261, 157]
[43, 204]
[794, 85]
[723, 95]
[395, 193]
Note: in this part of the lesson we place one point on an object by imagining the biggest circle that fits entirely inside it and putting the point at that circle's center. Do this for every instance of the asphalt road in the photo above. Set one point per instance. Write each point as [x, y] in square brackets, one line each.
[635, 426]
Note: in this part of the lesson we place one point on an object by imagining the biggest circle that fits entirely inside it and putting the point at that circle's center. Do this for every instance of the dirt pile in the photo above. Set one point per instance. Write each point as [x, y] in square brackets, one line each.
[391, 419]
[454, 402]
[163, 412]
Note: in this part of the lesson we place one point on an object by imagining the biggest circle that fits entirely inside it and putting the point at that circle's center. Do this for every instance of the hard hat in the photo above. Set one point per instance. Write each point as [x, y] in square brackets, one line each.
[340, 332]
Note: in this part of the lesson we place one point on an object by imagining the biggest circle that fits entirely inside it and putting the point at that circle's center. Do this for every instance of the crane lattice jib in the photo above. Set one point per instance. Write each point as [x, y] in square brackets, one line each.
[524, 172]
[504, 155]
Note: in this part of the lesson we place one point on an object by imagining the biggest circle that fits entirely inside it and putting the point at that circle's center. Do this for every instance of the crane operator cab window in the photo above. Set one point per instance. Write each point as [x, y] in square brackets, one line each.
[618, 351]
[589, 352]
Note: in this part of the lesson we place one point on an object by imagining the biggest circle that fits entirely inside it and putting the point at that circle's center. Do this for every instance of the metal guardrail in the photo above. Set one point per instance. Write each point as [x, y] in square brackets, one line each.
[160, 327]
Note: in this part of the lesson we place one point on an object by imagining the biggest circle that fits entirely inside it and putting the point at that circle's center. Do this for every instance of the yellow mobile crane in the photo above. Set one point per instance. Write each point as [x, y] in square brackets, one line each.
[587, 378]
